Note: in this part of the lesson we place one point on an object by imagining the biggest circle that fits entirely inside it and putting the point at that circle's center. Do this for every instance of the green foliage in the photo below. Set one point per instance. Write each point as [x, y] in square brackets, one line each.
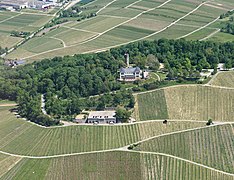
[20, 34]
[209, 122]
[122, 115]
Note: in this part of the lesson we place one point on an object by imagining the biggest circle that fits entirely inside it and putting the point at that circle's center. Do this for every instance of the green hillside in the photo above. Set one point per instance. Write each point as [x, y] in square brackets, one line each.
[111, 165]
[225, 79]
[188, 102]
[211, 146]
[39, 141]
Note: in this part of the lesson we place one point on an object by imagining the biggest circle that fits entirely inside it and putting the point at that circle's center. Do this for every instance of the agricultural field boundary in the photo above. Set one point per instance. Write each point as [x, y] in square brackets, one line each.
[11, 17]
[108, 150]
[104, 7]
[182, 159]
[196, 30]
[210, 35]
[103, 49]
[91, 39]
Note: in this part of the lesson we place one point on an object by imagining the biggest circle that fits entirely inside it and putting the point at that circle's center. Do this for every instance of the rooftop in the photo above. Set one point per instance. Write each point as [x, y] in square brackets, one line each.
[14, 1]
[130, 70]
[101, 114]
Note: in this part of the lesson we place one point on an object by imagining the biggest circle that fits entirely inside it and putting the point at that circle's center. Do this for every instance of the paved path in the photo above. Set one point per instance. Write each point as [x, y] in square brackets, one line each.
[104, 7]
[62, 42]
[10, 18]
[210, 35]
[142, 38]
[186, 160]
[133, 3]
[8, 105]
[125, 149]
[72, 3]
[91, 39]
[108, 150]
[202, 27]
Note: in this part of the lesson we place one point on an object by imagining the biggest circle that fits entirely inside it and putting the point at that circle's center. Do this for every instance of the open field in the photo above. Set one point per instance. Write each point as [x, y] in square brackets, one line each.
[19, 21]
[211, 146]
[40, 141]
[192, 102]
[225, 79]
[112, 165]
[120, 22]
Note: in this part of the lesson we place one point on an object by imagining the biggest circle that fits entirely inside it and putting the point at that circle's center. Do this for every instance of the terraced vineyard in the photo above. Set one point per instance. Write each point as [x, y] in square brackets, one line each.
[224, 79]
[112, 165]
[120, 22]
[211, 146]
[19, 21]
[193, 102]
[40, 141]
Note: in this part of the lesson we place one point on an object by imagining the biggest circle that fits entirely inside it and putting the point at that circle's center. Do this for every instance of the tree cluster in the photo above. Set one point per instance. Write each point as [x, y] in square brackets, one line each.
[71, 84]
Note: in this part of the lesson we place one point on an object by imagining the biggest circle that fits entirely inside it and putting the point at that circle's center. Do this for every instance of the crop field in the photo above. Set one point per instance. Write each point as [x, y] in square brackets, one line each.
[72, 139]
[111, 165]
[224, 79]
[212, 146]
[188, 103]
[123, 21]
[19, 21]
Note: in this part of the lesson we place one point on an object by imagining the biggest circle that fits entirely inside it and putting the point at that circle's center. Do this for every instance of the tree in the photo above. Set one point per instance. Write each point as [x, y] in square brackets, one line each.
[152, 62]
[209, 122]
[122, 115]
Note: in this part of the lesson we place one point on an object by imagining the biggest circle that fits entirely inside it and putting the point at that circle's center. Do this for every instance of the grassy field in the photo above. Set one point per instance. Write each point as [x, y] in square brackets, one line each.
[62, 140]
[211, 146]
[224, 79]
[111, 165]
[122, 22]
[188, 103]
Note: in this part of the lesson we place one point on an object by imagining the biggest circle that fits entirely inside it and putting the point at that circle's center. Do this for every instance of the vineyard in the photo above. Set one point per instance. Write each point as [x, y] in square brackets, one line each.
[119, 22]
[193, 102]
[224, 79]
[112, 165]
[211, 146]
[40, 141]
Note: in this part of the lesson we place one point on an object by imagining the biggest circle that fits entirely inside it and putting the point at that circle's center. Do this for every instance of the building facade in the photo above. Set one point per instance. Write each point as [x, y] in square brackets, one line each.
[130, 74]
[101, 117]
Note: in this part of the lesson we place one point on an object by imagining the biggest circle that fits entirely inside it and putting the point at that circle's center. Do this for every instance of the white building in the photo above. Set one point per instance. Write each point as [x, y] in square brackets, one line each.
[130, 74]
[16, 4]
[102, 117]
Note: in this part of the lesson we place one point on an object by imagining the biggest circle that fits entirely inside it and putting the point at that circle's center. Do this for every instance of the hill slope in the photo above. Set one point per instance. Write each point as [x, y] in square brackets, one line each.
[225, 79]
[211, 146]
[40, 141]
[192, 102]
[111, 165]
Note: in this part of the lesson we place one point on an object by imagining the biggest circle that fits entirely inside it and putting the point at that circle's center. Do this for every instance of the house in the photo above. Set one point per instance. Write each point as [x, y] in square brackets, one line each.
[102, 117]
[130, 74]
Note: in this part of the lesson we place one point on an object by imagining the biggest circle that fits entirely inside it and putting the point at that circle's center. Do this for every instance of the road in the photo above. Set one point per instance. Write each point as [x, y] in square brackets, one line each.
[139, 39]
[125, 149]
[8, 105]
[72, 3]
